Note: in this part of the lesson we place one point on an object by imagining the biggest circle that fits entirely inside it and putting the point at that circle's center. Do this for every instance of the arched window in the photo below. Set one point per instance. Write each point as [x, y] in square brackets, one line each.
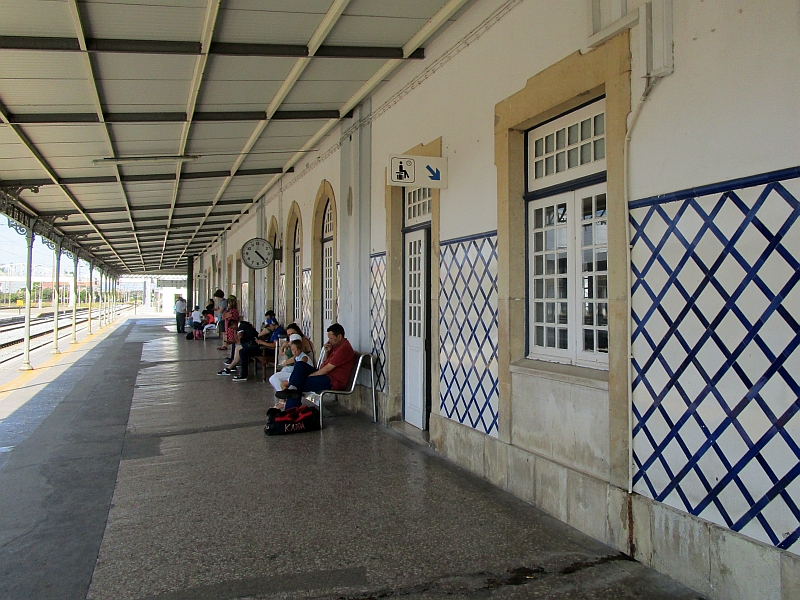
[298, 272]
[327, 267]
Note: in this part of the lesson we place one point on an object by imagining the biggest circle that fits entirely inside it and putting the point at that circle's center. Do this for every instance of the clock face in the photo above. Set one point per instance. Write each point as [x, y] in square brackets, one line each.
[257, 253]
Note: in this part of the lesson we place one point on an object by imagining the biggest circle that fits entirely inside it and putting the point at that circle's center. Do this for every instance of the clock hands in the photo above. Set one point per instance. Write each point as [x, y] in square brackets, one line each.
[261, 257]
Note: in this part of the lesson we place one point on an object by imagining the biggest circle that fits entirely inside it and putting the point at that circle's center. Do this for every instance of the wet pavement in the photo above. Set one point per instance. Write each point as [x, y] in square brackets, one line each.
[152, 478]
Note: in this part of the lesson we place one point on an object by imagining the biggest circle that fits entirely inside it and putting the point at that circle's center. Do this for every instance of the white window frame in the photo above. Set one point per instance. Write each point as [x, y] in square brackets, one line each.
[327, 265]
[298, 273]
[574, 353]
[593, 113]
[417, 205]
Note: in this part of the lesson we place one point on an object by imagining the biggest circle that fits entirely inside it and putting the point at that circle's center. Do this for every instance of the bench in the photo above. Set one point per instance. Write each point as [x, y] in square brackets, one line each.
[363, 361]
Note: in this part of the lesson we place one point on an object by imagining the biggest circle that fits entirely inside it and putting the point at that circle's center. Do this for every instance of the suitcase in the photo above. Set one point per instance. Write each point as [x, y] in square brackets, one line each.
[293, 420]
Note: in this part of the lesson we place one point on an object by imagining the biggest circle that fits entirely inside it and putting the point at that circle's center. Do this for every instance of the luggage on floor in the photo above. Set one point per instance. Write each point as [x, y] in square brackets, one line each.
[190, 335]
[293, 420]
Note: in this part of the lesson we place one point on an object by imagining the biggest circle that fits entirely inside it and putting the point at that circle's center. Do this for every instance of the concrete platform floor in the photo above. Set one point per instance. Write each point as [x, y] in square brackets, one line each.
[150, 477]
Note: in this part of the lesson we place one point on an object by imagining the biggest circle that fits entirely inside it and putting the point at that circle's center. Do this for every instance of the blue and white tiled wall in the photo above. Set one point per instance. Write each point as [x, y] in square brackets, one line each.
[468, 331]
[716, 329]
[280, 298]
[305, 308]
[377, 316]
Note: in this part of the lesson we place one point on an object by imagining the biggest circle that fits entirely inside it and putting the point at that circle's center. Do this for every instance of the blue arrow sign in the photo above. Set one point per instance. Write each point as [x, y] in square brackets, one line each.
[434, 175]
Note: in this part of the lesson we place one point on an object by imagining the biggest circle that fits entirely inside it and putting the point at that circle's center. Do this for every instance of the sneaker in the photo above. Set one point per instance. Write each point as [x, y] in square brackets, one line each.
[225, 371]
[226, 364]
[286, 394]
[238, 378]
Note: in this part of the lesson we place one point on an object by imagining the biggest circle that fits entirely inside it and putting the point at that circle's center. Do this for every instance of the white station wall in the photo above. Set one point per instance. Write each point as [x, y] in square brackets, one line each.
[730, 109]
[457, 103]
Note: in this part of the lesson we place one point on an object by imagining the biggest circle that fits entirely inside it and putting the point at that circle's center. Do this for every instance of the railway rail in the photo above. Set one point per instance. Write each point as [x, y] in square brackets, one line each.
[11, 330]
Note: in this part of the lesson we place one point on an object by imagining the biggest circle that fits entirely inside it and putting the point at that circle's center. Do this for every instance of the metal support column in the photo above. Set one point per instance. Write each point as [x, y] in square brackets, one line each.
[102, 315]
[74, 337]
[91, 296]
[56, 290]
[26, 352]
[190, 299]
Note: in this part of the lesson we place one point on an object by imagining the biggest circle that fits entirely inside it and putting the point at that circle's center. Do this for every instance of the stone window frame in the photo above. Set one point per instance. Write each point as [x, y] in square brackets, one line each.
[566, 85]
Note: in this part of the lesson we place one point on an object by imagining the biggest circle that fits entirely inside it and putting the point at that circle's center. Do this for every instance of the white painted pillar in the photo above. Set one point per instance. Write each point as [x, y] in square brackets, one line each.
[56, 290]
[102, 316]
[26, 352]
[91, 296]
[74, 337]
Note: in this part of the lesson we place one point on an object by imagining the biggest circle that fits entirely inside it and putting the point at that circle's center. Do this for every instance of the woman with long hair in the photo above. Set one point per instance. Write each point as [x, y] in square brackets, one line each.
[292, 329]
[231, 317]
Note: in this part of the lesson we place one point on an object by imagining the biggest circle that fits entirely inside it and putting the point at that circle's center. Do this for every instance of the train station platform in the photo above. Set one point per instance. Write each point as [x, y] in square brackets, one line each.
[137, 472]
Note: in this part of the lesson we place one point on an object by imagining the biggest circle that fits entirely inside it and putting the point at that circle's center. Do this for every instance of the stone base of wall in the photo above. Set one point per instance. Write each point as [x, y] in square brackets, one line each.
[713, 560]
[361, 402]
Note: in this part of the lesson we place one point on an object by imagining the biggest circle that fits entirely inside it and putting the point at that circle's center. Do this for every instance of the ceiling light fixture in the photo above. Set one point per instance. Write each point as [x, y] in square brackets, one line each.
[145, 159]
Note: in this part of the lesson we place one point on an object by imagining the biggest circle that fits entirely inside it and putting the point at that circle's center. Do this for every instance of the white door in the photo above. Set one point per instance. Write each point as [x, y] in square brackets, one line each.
[416, 305]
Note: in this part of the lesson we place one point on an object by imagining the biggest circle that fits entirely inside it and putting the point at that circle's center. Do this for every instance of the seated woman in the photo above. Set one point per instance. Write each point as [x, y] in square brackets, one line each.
[293, 329]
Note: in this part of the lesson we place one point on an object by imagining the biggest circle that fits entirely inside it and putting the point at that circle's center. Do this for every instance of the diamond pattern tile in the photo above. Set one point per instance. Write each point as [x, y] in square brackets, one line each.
[306, 308]
[716, 326]
[338, 289]
[468, 332]
[280, 298]
[377, 316]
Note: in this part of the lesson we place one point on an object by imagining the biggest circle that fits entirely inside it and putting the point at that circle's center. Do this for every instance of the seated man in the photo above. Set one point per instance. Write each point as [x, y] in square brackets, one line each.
[266, 341]
[333, 374]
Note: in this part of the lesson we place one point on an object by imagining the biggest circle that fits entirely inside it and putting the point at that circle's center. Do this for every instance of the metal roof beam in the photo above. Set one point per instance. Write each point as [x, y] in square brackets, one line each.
[169, 117]
[62, 44]
[320, 33]
[410, 49]
[141, 178]
[47, 168]
[98, 106]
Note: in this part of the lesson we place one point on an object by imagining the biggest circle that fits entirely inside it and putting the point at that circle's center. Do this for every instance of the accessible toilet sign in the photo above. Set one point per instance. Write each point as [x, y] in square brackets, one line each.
[417, 171]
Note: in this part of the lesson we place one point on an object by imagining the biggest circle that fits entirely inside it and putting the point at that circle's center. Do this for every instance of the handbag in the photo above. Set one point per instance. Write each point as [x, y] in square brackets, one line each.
[293, 420]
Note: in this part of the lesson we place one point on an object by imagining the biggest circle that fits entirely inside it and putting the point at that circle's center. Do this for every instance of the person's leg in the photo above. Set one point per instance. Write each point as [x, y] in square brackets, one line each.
[233, 347]
[244, 360]
[237, 356]
[317, 383]
[299, 375]
[302, 380]
[179, 319]
[278, 377]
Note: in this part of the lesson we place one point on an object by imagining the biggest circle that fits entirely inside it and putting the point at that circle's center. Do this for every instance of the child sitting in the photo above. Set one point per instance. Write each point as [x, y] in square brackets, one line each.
[296, 346]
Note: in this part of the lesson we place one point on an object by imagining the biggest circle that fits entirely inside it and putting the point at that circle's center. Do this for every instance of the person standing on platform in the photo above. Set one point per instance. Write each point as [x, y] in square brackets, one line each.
[180, 314]
[221, 309]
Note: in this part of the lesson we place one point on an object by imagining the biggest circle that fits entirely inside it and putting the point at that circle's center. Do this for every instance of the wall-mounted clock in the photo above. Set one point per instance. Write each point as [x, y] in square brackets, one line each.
[257, 253]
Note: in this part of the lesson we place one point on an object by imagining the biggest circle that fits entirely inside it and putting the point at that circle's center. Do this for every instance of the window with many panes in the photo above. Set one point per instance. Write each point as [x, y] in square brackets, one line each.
[327, 267]
[298, 272]
[417, 205]
[568, 238]
[567, 148]
[568, 277]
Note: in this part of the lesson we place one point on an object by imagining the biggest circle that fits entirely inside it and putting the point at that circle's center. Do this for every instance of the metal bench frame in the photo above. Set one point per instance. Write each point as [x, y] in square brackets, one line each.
[365, 361]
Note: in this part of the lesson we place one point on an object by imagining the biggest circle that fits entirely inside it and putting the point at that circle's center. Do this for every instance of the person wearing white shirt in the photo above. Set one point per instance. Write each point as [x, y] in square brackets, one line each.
[180, 314]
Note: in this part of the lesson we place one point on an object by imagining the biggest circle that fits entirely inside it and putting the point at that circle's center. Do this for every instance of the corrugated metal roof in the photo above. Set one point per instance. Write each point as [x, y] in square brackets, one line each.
[132, 100]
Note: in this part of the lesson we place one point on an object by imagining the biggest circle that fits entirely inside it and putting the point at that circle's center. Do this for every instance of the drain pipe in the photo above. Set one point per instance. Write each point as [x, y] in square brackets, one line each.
[651, 83]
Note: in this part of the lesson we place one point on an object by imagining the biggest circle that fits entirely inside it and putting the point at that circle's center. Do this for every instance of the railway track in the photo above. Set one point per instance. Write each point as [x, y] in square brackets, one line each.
[11, 334]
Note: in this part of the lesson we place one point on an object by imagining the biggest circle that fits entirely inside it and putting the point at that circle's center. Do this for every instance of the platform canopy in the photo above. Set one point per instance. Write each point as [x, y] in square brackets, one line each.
[146, 128]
